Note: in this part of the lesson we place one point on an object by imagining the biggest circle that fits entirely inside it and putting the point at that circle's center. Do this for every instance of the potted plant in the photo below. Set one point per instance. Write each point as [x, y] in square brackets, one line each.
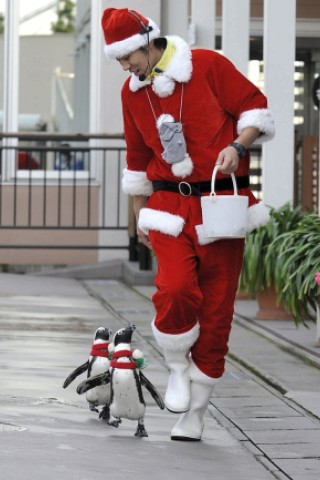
[317, 279]
[298, 261]
[260, 261]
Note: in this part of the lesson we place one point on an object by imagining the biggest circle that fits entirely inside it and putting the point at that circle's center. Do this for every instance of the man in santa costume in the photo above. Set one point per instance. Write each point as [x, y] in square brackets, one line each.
[184, 112]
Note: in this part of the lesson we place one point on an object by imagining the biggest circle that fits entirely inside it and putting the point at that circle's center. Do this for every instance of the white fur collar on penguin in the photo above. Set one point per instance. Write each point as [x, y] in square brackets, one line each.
[179, 70]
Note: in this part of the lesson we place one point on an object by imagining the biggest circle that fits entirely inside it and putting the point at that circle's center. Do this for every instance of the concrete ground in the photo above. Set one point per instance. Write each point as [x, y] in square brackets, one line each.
[263, 421]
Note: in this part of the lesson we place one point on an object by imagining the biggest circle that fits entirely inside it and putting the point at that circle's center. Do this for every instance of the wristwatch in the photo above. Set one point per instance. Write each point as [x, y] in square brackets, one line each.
[241, 149]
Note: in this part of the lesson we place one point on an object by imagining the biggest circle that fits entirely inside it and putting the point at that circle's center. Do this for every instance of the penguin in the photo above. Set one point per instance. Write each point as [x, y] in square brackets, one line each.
[97, 363]
[126, 381]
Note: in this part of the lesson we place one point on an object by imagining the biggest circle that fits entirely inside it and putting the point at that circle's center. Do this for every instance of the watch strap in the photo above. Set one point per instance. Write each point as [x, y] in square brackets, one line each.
[241, 149]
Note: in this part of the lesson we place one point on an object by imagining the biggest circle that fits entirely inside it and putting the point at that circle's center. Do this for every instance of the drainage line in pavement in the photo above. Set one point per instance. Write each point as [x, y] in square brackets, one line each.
[308, 357]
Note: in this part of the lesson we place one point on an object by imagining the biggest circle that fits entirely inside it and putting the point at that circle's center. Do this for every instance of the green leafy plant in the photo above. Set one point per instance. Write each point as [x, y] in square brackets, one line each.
[298, 262]
[260, 260]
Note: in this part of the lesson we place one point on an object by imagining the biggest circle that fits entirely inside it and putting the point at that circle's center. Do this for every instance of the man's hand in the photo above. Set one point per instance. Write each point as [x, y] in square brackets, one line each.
[143, 238]
[228, 160]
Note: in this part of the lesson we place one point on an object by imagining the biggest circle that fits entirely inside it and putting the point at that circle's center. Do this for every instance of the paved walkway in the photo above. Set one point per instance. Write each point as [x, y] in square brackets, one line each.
[263, 421]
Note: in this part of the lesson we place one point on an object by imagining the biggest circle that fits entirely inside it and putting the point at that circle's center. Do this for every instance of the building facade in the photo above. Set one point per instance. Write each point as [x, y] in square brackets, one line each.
[283, 58]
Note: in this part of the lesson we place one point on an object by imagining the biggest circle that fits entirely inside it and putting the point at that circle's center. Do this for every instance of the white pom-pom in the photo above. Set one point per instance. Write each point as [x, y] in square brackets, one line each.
[184, 168]
[164, 117]
[137, 354]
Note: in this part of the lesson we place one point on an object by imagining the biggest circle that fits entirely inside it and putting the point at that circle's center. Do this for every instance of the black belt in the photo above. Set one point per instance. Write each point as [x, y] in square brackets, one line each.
[196, 188]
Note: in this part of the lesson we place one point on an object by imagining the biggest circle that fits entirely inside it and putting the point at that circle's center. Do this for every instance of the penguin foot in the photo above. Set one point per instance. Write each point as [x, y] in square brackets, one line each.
[114, 423]
[93, 408]
[105, 413]
[141, 431]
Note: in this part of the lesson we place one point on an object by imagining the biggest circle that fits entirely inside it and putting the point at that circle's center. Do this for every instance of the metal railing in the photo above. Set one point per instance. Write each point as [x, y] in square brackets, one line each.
[69, 182]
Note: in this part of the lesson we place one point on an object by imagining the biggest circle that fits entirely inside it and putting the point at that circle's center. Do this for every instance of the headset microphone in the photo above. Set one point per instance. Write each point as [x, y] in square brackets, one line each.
[145, 29]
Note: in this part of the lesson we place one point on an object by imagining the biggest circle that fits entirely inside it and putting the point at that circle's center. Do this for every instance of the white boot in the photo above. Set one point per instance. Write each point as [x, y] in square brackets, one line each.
[190, 424]
[177, 397]
[176, 350]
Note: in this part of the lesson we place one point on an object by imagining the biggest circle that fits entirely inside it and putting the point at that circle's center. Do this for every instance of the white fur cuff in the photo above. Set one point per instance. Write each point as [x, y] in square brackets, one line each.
[182, 341]
[260, 118]
[164, 222]
[258, 215]
[199, 377]
[202, 240]
[136, 183]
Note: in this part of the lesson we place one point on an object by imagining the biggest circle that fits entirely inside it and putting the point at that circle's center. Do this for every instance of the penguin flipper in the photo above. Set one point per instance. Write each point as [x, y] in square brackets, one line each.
[92, 382]
[76, 373]
[152, 390]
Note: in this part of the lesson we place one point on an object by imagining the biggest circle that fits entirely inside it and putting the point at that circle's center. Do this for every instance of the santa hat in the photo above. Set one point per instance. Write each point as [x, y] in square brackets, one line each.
[126, 31]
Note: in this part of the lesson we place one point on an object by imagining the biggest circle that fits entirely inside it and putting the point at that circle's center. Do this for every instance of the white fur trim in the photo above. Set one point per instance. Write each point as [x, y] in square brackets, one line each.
[136, 183]
[260, 118]
[164, 222]
[202, 240]
[258, 215]
[197, 376]
[164, 117]
[128, 45]
[180, 67]
[184, 168]
[182, 341]
[135, 84]
[179, 70]
[163, 85]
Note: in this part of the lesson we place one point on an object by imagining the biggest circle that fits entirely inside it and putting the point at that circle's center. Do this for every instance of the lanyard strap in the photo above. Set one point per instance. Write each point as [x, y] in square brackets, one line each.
[154, 113]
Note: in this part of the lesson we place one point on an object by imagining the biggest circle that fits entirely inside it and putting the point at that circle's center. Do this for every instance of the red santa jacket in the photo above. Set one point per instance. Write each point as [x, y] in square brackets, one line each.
[217, 102]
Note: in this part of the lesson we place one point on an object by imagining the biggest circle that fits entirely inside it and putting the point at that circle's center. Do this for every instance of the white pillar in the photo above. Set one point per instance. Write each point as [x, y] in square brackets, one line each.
[279, 56]
[96, 58]
[235, 32]
[11, 84]
[175, 18]
[203, 20]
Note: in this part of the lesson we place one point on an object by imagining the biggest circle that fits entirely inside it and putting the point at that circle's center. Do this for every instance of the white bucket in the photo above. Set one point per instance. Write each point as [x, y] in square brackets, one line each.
[224, 216]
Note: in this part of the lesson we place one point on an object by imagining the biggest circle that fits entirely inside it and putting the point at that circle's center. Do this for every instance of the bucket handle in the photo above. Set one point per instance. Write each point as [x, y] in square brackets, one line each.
[214, 173]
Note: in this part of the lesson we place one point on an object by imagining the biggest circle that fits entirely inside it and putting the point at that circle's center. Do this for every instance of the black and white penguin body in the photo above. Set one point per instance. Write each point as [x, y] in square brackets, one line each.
[97, 363]
[126, 380]
[127, 399]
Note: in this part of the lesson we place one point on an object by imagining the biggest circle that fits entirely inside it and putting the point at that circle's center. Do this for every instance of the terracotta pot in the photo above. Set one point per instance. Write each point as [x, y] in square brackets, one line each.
[241, 295]
[268, 308]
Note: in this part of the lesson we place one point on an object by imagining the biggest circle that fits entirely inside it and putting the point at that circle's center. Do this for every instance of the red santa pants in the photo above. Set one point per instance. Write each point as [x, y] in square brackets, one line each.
[197, 284]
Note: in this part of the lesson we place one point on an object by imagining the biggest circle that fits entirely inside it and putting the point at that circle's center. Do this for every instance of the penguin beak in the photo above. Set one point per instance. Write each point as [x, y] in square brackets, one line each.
[124, 335]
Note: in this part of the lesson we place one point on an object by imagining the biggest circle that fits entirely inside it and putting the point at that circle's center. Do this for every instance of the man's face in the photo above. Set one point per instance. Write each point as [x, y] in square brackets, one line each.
[136, 62]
